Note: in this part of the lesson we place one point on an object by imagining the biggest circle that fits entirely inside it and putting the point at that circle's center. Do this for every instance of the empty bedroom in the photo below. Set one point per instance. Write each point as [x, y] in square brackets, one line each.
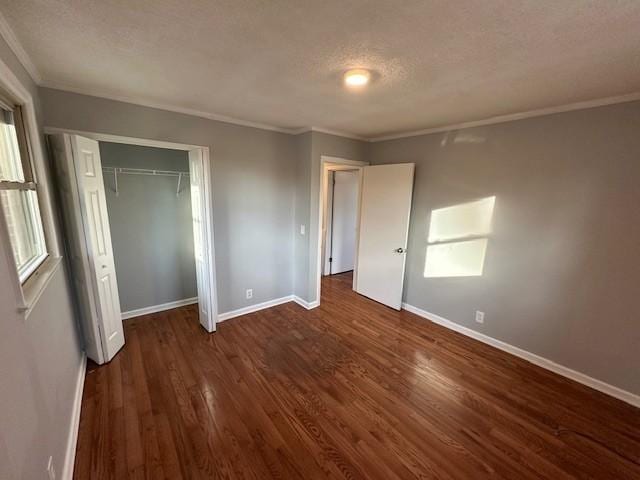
[319, 240]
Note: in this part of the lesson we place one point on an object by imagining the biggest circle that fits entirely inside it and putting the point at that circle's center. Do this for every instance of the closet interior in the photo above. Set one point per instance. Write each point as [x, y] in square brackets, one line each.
[149, 207]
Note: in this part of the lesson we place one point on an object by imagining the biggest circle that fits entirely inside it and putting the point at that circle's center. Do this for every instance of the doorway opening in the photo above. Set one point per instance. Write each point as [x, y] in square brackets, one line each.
[384, 196]
[118, 195]
[341, 222]
[344, 242]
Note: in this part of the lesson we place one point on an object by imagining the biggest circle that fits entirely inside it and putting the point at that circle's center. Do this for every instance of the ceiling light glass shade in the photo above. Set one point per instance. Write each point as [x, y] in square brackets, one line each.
[357, 77]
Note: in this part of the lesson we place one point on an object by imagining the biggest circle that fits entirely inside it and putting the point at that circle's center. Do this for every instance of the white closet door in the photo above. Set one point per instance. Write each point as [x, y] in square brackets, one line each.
[199, 211]
[76, 245]
[86, 155]
[384, 227]
[344, 221]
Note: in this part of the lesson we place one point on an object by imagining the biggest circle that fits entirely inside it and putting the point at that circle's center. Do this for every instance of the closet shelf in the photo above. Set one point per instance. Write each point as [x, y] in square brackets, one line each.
[144, 171]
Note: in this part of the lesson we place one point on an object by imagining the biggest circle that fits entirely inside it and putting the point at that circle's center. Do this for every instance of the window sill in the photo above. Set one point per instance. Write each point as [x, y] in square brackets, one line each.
[33, 288]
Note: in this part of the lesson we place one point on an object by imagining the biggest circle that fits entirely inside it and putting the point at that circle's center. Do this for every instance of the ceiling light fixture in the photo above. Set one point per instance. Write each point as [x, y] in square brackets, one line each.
[357, 77]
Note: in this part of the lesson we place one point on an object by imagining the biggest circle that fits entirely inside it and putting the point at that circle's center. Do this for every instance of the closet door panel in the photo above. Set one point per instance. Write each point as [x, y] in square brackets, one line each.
[200, 233]
[93, 205]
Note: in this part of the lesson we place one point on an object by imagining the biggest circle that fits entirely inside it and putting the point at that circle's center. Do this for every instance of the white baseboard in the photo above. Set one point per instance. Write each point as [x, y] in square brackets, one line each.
[253, 308]
[72, 438]
[305, 304]
[545, 363]
[159, 308]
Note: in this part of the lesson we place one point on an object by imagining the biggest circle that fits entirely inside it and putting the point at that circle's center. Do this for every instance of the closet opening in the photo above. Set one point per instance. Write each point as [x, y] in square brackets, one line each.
[137, 215]
[148, 197]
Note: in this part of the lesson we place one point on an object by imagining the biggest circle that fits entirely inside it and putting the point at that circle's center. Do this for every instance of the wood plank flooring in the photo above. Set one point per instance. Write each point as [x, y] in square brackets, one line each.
[350, 390]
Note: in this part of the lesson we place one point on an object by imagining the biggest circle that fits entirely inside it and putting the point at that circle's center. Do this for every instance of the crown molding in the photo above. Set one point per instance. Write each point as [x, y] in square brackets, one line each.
[631, 97]
[16, 47]
[14, 44]
[164, 106]
[601, 102]
[197, 113]
[336, 133]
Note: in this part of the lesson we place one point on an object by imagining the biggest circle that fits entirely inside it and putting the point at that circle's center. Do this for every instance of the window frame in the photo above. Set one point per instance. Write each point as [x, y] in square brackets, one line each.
[28, 184]
[13, 91]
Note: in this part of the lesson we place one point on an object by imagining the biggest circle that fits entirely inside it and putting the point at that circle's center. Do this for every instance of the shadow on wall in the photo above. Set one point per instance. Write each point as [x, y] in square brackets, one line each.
[458, 238]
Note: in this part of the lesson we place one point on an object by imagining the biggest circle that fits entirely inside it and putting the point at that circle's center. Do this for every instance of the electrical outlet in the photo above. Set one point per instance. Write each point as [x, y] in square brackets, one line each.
[302, 229]
[479, 316]
[51, 470]
[249, 293]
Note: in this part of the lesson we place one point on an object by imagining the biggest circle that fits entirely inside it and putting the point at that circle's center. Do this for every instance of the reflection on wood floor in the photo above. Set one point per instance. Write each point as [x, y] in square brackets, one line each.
[350, 390]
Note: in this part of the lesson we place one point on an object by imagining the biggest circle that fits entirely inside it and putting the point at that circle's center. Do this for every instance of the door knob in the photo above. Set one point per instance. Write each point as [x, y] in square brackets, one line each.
[400, 250]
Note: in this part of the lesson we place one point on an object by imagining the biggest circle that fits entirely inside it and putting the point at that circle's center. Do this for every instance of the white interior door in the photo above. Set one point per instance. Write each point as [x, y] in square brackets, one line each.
[344, 221]
[384, 227]
[200, 211]
[93, 205]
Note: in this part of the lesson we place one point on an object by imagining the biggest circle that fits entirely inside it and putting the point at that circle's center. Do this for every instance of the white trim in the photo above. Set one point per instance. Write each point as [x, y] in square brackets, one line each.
[631, 97]
[105, 137]
[305, 304]
[296, 131]
[167, 107]
[328, 163]
[254, 308]
[197, 113]
[14, 44]
[335, 133]
[16, 47]
[158, 308]
[545, 363]
[207, 185]
[72, 438]
[35, 286]
[19, 93]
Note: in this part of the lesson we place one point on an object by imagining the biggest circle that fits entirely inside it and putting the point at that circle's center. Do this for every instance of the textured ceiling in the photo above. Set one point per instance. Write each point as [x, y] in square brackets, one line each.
[280, 62]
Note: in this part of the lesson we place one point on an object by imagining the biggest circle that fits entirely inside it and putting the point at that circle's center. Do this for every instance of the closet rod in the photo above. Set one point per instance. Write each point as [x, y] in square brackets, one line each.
[143, 171]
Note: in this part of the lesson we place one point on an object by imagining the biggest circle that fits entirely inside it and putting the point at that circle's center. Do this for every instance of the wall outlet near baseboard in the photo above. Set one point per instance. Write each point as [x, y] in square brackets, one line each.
[51, 470]
[249, 293]
[302, 229]
[479, 316]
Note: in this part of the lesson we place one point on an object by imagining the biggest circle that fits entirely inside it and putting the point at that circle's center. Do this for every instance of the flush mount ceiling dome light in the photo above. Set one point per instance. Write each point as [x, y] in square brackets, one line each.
[357, 77]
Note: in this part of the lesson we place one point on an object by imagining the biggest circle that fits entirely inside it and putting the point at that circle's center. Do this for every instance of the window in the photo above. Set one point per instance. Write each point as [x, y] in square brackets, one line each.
[458, 240]
[18, 195]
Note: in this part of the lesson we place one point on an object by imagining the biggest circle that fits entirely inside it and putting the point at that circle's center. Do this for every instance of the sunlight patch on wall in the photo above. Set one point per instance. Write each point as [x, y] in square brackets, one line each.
[457, 242]
[456, 259]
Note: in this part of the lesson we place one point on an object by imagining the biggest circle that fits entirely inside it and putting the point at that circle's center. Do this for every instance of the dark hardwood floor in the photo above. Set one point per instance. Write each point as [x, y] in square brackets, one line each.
[349, 390]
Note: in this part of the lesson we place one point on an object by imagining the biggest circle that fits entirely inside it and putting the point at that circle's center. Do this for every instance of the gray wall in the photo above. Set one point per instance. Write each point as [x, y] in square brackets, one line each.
[253, 174]
[561, 274]
[311, 147]
[301, 212]
[40, 359]
[151, 228]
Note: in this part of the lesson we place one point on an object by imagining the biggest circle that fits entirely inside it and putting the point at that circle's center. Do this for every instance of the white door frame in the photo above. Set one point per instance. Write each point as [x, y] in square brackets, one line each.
[327, 164]
[207, 187]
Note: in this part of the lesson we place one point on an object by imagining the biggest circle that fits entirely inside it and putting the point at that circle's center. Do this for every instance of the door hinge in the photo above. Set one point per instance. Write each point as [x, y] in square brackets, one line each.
[330, 259]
